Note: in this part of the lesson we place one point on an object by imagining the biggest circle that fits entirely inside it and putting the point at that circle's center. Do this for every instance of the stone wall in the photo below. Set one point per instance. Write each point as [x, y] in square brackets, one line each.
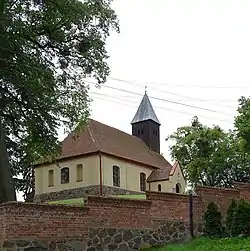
[107, 223]
[104, 223]
[81, 192]
[108, 239]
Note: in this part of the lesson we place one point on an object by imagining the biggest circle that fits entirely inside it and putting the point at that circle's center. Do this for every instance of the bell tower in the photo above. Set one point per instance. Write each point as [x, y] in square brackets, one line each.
[145, 124]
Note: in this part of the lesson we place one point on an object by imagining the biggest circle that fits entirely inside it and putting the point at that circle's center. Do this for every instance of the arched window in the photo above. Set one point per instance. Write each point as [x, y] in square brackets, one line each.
[178, 188]
[159, 188]
[143, 182]
[51, 178]
[79, 172]
[65, 175]
[116, 176]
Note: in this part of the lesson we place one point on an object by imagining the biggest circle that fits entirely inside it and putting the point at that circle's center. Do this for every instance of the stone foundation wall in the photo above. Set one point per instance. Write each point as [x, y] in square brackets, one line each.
[82, 192]
[111, 239]
[107, 223]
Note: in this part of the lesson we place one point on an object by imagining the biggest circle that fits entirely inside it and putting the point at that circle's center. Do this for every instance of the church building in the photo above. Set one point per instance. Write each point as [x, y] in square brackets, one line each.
[104, 160]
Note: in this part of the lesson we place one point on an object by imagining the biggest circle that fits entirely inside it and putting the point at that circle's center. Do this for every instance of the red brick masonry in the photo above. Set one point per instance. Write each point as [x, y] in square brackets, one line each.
[43, 221]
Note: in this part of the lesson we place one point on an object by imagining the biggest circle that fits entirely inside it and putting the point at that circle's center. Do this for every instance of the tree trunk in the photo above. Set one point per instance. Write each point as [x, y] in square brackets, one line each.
[7, 189]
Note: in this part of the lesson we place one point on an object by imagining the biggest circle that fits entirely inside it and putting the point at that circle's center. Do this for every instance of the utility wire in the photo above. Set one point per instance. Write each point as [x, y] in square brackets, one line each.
[162, 108]
[161, 99]
[171, 93]
[187, 86]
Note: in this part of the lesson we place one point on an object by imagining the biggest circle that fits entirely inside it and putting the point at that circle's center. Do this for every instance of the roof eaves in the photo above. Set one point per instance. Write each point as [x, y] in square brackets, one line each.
[65, 158]
[129, 159]
[156, 180]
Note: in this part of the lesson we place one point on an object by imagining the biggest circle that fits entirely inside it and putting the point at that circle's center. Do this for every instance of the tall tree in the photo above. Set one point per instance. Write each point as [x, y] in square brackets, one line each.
[47, 49]
[209, 156]
[242, 122]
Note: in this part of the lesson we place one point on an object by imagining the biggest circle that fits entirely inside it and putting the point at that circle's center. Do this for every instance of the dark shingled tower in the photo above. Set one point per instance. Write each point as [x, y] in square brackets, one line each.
[146, 126]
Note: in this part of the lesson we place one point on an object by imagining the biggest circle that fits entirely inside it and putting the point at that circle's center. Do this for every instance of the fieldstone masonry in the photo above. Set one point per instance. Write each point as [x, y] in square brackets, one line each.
[107, 223]
[109, 239]
[81, 192]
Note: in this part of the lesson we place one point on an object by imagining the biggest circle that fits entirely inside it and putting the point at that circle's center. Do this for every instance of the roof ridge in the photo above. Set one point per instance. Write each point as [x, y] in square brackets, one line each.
[152, 153]
[123, 133]
[92, 135]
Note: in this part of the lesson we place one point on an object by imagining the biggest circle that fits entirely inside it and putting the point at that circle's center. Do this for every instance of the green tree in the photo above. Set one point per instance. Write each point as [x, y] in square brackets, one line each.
[47, 49]
[230, 217]
[213, 221]
[241, 219]
[209, 156]
[242, 122]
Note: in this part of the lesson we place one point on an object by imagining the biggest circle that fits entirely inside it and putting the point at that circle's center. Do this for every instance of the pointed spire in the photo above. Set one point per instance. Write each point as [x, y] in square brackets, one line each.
[145, 111]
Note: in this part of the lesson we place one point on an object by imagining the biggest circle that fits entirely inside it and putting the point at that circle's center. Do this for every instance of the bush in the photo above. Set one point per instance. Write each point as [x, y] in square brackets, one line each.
[213, 218]
[241, 219]
[230, 217]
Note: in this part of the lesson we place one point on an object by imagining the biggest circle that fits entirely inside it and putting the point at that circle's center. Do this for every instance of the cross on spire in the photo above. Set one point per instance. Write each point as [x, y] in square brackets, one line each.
[145, 89]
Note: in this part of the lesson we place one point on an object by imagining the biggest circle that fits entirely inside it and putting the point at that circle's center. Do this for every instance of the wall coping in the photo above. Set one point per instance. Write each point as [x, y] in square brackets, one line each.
[42, 205]
[168, 195]
[240, 185]
[199, 187]
[118, 202]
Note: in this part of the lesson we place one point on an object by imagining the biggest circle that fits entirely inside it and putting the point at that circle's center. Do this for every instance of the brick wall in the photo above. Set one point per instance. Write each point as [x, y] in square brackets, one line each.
[119, 212]
[169, 206]
[2, 223]
[221, 196]
[42, 221]
[59, 222]
[244, 189]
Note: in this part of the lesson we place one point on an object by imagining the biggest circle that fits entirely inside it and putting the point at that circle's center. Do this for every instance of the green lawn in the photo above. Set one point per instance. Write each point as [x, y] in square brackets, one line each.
[79, 201]
[204, 244]
[73, 202]
[132, 196]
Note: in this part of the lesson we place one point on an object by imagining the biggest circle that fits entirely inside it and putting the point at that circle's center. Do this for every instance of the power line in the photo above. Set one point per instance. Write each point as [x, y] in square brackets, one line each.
[187, 86]
[172, 93]
[161, 99]
[162, 108]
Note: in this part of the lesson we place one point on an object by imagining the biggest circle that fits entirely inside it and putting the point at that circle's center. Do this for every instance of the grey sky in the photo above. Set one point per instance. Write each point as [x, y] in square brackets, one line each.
[171, 46]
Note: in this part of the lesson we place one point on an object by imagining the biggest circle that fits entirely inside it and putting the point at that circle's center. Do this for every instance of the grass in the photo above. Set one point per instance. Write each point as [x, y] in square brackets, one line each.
[79, 201]
[73, 202]
[132, 196]
[204, 244]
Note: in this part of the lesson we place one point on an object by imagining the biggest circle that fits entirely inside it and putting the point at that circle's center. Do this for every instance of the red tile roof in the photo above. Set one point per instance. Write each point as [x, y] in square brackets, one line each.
[98, 137]
[160, 174]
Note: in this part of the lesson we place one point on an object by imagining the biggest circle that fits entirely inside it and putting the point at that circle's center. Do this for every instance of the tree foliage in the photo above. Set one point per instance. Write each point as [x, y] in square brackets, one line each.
[241, 219]
[213, 221]
[47, 49]
[209, 156]
[242, 122]
[230, 217]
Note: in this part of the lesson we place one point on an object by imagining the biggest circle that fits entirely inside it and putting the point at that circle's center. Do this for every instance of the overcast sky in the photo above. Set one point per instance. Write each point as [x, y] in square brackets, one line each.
[191, 52]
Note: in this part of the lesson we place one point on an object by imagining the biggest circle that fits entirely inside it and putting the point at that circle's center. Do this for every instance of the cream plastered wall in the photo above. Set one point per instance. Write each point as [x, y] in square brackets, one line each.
[169, 185]
[90, 174]
[129, 173]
